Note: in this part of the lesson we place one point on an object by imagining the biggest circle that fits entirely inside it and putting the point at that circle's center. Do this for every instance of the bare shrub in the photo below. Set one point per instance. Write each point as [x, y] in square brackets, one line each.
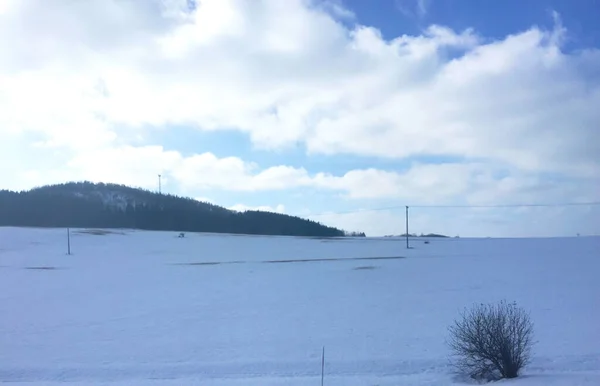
[492, 341]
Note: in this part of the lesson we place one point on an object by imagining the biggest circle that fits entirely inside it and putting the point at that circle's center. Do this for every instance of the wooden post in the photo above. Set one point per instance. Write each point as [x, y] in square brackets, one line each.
[68, 241]
[323, 366]
[407, 227]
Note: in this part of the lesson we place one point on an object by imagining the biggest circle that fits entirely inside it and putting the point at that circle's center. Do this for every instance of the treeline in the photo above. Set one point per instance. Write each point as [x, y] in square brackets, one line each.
[89, 205]
[420, 235]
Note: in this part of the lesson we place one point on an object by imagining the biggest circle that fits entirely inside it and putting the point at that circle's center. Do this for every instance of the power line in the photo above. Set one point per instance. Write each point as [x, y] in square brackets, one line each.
[564, 204]
[509, 205]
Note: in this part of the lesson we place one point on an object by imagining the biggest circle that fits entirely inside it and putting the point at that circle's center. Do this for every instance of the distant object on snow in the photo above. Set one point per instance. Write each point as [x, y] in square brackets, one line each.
[181, 235]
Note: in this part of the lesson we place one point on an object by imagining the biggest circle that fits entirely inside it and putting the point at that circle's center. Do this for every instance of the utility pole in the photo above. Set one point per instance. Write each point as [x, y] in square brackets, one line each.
[407, 227]
[159, 185]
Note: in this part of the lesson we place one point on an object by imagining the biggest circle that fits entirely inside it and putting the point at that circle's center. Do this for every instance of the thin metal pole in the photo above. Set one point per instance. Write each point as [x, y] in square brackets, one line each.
[323, 366]
[407, 227]
[68, 241]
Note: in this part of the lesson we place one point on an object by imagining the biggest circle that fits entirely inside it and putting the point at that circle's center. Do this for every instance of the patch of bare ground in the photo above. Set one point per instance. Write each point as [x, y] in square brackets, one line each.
[365, 267]
[45, 268]
[100, 232]
[290, 261]
[211, 263]
[333, 259]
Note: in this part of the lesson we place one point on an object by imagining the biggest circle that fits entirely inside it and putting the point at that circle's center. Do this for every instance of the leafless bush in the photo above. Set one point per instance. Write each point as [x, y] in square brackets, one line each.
[492, 341]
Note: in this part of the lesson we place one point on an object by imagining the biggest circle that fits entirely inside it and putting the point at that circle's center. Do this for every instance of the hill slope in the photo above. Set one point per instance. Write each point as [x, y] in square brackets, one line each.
[85, 205]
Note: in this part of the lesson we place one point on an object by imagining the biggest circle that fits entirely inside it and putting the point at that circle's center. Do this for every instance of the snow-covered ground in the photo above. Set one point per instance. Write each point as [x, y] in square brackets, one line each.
[145, 308]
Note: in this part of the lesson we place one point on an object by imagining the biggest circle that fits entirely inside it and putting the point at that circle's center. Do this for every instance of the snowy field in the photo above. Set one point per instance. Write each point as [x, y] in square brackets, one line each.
[147, 308]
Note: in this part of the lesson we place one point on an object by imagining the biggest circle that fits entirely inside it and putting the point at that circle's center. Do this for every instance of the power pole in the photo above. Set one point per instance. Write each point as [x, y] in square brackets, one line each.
[407, 227]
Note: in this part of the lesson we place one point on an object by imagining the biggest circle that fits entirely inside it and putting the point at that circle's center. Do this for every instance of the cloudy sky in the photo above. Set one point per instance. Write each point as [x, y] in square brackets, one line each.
[326, 109]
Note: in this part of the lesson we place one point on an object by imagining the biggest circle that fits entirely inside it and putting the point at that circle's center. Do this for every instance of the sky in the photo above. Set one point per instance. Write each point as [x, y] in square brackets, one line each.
[342, 111]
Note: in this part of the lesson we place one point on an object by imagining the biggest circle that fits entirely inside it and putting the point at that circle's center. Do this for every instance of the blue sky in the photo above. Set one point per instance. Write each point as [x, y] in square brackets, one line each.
[493, 19]
[322, 109]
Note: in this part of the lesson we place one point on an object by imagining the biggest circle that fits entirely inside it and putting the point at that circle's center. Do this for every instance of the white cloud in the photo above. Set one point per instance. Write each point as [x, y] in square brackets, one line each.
[140, 166]
[474, 183]
[413, 8]
[423, 7]
[204, 171]
[4, 6]
[422, 183]
[81, 82]
[263, 66]
[127, 164]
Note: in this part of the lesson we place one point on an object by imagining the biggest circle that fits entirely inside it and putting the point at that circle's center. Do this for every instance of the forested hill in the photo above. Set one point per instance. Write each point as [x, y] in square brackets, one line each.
[89, 205]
